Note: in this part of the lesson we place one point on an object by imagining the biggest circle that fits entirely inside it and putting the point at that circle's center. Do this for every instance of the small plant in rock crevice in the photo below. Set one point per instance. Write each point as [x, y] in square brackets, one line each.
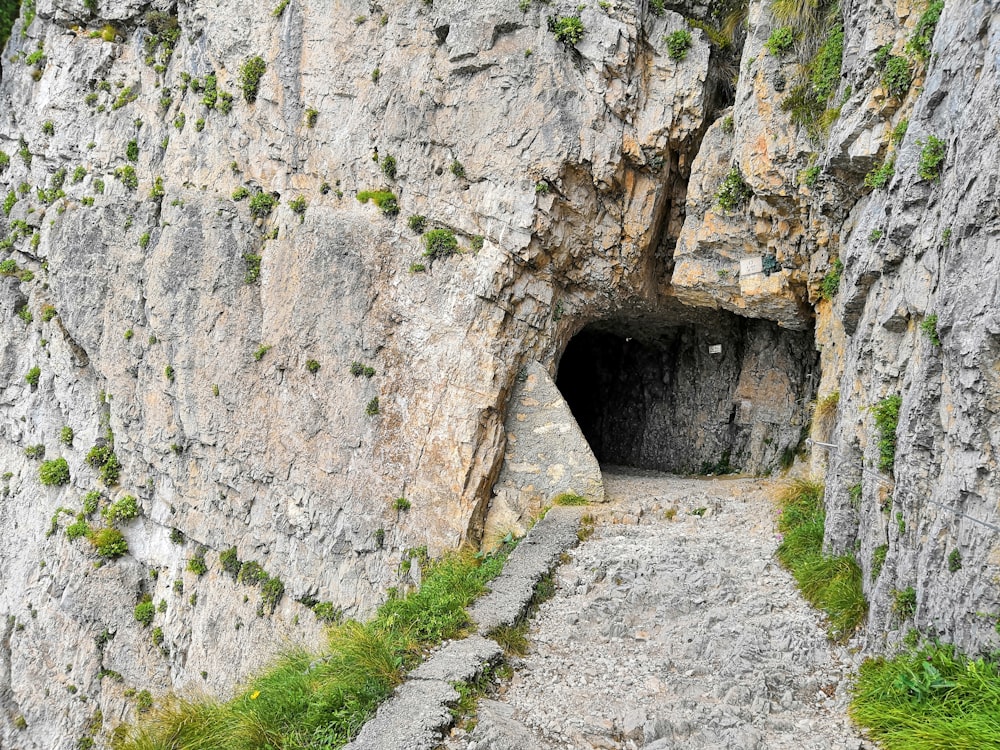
[886, 414]
[734, 192]
[568, 30]
[678, 43]
[929, 327]
[932, 155]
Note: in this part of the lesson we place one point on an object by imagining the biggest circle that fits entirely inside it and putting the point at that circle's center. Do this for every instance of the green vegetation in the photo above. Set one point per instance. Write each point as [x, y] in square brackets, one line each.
[253, 261]
[879, 176]
[929, 327]
[32, 376]
[831, 584]
[904, 603]
[569, 498]
[878, 559]
[899, 132]
[929, 699]
[103, 458]
[108, 542]
[250, 74]
[567, 29]
[54, 473]
[886, 413]
[734, 192]
[896, 76]
[197, 564]
[66, 436]
[389, 167]
[781, 41]
[807, 102]
[372, 407]
[261, 205]
[932, 154]
[132, 151]
[358, 369]
[312, 116]
[457, 168]
[121, 511]
[321, 700]
[417, 223]
[439, 243]
[127, 176]
[8, 14]
[299, 206]
[954, 561]
[145, 611]
[923, 33]
[385, 200]
[831, 282]
[261, 350]
[312, 366]
[678, 43]
[809, 175]
[401, 503]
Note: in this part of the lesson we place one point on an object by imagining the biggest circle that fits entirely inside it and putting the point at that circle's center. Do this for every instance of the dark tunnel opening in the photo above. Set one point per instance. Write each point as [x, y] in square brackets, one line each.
[712, 394]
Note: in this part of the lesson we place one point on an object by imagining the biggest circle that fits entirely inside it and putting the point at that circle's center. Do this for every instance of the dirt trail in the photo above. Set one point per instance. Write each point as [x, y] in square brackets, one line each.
[680, 633]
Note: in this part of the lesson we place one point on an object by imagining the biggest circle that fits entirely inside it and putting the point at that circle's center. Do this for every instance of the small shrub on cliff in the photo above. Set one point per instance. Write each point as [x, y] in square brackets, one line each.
[734, 192]
[896, 76]
[127, 176]
[567, 29]
[197, 564]
[144, 611]
[312, 366]
[230, 562]
[261, 205]
[886, 413]
[904, 603]
[401, 503]
[954, 561]
[439, 243]
[417, 223]
[32, 376]
[121, 510]
[250, 74]
[299, 206]
[372, 407]
[831, 282]
[389, 167]
[109, 542]
[929, 327]
[54, 473]
[678, 43]
[932, 155]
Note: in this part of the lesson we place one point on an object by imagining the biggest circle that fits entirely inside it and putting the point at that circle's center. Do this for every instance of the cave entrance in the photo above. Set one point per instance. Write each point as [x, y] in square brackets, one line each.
[707, 392]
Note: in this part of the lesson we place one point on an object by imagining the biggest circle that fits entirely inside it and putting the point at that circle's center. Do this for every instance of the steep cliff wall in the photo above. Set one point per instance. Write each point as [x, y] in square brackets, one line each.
[230, 352]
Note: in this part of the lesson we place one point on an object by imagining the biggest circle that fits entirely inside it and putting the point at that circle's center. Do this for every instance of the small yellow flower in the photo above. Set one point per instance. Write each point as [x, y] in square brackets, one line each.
[254, 695]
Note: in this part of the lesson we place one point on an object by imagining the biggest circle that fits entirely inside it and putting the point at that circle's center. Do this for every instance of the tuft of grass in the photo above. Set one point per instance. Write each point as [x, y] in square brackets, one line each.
[929, 326]
[439, 243]
[54, 473]
[570, 498]
[831, 584]
[929, 699]
[831, 281]
[678, 43]
[250, 74]
[513, 639]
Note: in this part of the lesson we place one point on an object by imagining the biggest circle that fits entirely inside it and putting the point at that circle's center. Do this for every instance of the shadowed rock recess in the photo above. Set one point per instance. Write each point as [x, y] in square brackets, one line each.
[218, 299]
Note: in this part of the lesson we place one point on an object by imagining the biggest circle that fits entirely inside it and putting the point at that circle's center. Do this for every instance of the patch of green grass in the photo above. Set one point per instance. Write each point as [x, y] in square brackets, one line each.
[109, 542]
[878, 559]
[879, 176]
[385, 200]
[904, 603]
[570, 498]
[831, 584]
[929, 699]
[321, 700]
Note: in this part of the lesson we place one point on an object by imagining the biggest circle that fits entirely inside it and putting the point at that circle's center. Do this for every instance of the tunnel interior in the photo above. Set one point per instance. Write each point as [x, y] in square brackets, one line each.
[711, 393]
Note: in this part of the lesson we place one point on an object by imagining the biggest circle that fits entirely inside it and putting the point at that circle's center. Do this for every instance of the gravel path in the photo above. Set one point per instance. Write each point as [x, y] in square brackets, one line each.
[680, 633]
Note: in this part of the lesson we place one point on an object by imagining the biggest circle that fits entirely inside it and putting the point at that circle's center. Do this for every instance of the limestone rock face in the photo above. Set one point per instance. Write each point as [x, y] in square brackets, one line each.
[215, 285]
